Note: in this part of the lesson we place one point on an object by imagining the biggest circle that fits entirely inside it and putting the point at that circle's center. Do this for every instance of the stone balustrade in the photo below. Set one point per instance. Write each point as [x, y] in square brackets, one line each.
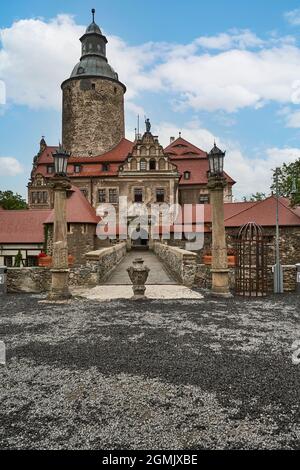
[98, 267]
[182, 264]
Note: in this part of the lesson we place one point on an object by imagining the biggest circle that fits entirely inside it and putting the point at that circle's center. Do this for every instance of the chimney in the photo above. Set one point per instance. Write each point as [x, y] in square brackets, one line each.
[172, 139]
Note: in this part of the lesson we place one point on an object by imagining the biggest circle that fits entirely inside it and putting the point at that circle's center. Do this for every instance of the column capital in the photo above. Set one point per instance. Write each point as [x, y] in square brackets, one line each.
[216, 183]
[60, 183]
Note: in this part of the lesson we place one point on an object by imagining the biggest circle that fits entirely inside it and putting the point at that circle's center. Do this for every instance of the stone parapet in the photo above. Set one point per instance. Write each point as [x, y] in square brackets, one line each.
[99, 266]
[180, 263]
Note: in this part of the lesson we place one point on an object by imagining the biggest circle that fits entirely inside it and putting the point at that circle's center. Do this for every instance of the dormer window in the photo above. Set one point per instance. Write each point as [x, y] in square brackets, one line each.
[187, 175]
[105, 166]
[77, 168]
[50, 169]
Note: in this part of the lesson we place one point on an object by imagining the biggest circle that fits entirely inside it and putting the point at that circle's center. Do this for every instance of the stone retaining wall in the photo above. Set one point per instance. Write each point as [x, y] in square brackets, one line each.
[99, 265]
[180, 263]
[203, 277]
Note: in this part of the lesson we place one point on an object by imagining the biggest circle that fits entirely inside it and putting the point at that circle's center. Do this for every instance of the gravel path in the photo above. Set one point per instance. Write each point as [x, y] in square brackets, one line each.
[184, 374]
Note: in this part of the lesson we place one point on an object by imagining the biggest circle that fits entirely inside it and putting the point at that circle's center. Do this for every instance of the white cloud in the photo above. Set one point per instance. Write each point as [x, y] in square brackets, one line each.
[9, 166]
[241, 70]
[253, 172]
[233, 39]
[293, 17]
[293, 120]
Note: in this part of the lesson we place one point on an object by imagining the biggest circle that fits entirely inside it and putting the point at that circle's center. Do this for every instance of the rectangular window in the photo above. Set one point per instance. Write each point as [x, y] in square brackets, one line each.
[138, 195]
[105, 166]
[160, 195]
[45, 197]
[69, 228]
[50, 169]
[204, 199]
[102, 195]
[8, 261]
[77, 168]
[33, 197]
[113, 196]
[31, 261]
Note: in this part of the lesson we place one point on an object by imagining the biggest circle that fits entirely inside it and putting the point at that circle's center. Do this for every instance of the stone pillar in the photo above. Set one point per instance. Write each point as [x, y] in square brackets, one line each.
[220, 271]
[60, 272]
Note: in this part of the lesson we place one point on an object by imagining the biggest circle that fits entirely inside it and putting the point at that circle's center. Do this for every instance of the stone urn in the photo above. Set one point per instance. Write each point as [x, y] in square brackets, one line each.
[138, 274]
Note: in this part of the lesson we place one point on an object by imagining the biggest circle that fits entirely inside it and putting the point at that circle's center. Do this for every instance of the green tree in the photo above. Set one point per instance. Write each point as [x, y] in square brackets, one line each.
[18, 260]
[288, 181]
[255, 197]
[12, 201]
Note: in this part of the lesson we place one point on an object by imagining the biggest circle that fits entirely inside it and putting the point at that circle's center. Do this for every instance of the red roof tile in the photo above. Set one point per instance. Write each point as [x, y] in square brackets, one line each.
[264, 213]
[23, 226]
[181, 147]
[79, 209]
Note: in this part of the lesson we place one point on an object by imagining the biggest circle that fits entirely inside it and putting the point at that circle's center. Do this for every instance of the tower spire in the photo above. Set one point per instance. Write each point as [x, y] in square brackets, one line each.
[93, 14]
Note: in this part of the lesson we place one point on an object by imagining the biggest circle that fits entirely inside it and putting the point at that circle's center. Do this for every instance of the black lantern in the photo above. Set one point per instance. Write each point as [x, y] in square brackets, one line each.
[216, 161]
[60, 158]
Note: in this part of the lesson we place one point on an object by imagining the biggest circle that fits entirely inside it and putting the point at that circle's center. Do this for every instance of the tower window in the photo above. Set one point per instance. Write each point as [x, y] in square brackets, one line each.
[115, 90]
[138, 195]
[187, 175]
[160, 195]
[93, 86]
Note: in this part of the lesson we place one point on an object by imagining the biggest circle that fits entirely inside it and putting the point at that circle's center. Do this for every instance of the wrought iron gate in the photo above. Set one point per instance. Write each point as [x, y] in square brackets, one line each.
[251, 266]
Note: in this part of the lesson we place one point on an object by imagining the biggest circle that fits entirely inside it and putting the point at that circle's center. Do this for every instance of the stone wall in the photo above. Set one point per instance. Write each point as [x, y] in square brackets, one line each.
[98, 267]
[104, 261]
[81, 239]
[31, 280]
[180, 263]
[93, 115]
[203, 278]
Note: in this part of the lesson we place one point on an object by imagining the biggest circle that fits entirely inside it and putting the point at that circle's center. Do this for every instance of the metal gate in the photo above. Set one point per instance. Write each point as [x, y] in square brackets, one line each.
[251, 265]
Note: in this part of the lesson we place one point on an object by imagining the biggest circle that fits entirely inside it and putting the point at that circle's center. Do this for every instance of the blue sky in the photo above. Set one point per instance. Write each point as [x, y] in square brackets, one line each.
[222, 69]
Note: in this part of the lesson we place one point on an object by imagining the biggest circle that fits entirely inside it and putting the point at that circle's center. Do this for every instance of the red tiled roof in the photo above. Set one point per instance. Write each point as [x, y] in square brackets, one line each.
[78, 209]
[198, 169]
[23, 226]
[117, 154]
[264, 213]
[90, 165]
[182, 148]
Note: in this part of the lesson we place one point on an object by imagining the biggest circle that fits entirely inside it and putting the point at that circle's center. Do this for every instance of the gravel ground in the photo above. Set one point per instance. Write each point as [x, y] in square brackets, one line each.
[189, 374]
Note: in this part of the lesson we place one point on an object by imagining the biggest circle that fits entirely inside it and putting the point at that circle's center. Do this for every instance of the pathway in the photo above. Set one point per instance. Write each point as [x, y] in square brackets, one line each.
[157, 275]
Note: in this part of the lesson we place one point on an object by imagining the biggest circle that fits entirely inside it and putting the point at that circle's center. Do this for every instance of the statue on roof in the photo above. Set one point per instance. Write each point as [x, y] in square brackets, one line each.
[148, 125]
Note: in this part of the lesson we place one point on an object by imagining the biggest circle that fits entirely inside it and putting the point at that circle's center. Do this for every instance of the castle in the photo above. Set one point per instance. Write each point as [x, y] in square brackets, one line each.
[105, 165]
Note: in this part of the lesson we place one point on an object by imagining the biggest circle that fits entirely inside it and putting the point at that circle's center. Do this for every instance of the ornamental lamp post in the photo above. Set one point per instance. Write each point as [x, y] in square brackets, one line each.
[216, 184]
[60, 184]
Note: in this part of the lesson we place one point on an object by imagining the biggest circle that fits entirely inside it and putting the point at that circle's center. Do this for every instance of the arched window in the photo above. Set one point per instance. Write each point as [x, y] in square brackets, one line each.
[133, 164]
[162, 164]
[152, 165]
[143, 165]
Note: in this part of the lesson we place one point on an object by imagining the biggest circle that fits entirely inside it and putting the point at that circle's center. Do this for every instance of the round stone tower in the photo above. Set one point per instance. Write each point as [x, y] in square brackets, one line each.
[93, 100]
